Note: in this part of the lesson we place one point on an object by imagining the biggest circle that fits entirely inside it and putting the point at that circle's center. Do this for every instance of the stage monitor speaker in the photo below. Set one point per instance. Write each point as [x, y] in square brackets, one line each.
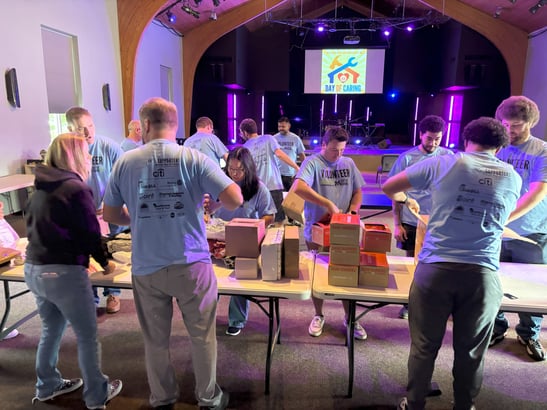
[385, 143]
[12, 89]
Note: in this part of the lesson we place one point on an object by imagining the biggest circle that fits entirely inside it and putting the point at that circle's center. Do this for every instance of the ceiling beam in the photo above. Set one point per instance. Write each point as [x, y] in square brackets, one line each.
[198, 40]
[509, 40]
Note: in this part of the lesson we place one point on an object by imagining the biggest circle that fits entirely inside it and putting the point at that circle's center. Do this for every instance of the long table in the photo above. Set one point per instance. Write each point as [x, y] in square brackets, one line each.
[525, 287]
[256, 290]
[13, 183]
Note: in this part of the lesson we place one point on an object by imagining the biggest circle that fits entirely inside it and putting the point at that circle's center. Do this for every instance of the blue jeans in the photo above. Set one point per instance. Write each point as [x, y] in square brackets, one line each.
[529, 326]
[63, 294]
[238, 311]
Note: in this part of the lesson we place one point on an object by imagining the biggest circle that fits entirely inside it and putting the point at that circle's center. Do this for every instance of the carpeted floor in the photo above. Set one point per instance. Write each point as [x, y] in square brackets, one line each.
[306, 373]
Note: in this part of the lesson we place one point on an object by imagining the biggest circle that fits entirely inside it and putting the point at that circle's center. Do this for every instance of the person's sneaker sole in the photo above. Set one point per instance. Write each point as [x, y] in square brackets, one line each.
[496, 338]
[114, 388]
[221, 406]
[76, 384]
[233, 331]
[534, 354]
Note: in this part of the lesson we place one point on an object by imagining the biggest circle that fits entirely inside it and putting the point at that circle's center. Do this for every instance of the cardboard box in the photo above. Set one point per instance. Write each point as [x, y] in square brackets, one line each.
[272, 253]
[244, 236]
[320, 234]
[291, 249]
[344, 254]
[373, 269]
[376, 238]
[343, 275]
[421, 228]
[246, 268]
[345, 229]
[293, 205]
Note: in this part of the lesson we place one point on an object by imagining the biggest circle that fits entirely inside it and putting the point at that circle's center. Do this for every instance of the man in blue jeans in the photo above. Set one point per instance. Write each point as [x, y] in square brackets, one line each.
[528, 155]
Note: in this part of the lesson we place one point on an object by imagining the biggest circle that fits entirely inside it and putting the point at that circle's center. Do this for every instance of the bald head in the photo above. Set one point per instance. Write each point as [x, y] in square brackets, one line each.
[159, 119]
[135, 131]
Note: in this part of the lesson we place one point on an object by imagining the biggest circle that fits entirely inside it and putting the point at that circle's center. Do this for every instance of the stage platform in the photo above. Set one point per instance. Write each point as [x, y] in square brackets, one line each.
[367, 158]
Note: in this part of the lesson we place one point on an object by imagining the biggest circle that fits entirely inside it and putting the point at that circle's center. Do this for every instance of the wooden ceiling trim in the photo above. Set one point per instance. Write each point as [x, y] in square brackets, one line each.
[196, 42]
[132, 21]
[510, 41]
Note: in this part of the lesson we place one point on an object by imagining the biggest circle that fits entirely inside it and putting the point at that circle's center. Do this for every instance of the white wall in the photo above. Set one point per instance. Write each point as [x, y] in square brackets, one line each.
[25, 130]
[158, 47]
[535, 80]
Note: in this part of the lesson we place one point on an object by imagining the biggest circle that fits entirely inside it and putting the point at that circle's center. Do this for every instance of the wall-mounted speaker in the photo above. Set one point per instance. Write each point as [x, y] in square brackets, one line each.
[106, 97]
[12, 89]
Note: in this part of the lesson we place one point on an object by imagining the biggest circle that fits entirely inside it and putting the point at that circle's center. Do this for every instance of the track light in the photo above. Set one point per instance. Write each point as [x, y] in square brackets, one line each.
[187, 9]
[539, 5]
[170, 16]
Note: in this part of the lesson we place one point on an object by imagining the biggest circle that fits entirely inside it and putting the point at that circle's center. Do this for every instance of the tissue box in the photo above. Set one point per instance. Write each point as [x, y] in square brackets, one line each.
[343, 275]
[344, 254]
[272, 254]
[376, 238]
[293, 205]
[373, 269]
[291, 248]
[320, 234]
[246, 268]
[244, 236]
[345, 229]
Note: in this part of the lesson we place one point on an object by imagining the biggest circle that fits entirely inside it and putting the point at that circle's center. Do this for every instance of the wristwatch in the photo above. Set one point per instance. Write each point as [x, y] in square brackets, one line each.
[403, 202]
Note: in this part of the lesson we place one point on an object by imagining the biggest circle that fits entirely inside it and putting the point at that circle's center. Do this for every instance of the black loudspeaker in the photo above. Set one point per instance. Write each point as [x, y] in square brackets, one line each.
[386, 143]
[106, 97]
[12, 89]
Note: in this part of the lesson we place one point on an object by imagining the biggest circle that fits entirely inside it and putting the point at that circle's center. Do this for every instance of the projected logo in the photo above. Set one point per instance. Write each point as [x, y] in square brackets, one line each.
[343, 71]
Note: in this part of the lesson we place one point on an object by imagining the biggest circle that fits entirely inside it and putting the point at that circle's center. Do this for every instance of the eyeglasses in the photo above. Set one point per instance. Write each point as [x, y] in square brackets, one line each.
[236, 170]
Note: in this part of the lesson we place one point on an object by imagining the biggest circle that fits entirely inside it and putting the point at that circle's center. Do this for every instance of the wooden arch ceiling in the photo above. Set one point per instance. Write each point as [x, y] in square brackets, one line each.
[132, 21]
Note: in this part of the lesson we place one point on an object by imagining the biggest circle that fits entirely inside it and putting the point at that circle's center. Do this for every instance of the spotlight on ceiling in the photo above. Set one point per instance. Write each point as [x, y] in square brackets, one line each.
[187, 9]
[386, 32]
[320, 28]
[409, 28]
[170, 16]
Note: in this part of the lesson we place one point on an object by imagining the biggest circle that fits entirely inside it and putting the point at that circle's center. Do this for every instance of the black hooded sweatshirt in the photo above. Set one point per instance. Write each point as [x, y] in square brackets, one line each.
[62, 226]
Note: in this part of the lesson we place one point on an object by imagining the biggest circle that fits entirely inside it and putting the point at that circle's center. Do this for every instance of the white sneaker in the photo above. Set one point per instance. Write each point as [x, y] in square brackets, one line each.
[316, 325]
[11, 335]
[359, 331]
[114, 388]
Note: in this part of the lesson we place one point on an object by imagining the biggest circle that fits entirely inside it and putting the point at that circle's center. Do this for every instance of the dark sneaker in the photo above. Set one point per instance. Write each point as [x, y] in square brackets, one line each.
[221, 406]
[67, 386]
[114, 388]
[496, 338]
[533, 348]
[233, 331]
[403, 404]
[403, 313]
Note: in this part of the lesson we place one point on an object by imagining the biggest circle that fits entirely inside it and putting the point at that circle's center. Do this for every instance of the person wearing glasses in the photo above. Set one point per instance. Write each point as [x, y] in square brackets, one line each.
[258, 204]
[528, 156]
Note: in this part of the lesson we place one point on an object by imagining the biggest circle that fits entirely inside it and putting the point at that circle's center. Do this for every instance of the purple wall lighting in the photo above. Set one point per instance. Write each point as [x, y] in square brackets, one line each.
[455, 108]
[231, 115]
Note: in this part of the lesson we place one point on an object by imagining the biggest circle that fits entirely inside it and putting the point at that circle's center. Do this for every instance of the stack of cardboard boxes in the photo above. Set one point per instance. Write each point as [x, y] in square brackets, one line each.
[259, 252]
[357, 255]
